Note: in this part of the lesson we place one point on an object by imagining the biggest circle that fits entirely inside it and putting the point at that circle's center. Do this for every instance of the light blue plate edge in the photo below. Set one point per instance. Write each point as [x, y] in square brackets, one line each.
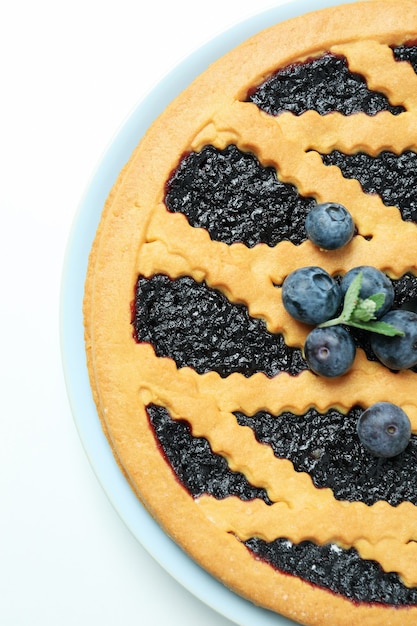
[141, 524]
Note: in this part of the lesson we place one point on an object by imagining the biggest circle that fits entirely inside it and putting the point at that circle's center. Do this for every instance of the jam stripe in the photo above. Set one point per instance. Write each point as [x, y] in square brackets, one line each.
[193, 462]
[198, 327]
[236, 199]
[334, 457]
[323, 84]
[255, 519]
[340, 571]
[389, 175]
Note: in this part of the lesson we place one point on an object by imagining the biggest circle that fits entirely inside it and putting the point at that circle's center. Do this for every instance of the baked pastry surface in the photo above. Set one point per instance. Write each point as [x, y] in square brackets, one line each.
[244, 456]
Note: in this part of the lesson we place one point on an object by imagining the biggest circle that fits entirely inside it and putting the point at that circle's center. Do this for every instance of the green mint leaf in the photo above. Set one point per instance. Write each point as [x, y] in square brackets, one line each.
[382, 328]
[350, 303]
[379, 299]
[352, 297]
[361, 313]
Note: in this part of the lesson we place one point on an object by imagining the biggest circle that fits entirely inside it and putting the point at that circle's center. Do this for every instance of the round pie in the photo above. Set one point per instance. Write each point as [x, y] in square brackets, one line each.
[249, 460]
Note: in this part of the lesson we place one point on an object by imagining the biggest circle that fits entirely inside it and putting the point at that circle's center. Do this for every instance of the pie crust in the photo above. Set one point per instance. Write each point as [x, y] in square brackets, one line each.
[137, 235]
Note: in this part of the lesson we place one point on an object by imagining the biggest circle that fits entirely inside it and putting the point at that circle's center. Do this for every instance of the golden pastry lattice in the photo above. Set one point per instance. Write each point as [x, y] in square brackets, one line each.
[292, 145]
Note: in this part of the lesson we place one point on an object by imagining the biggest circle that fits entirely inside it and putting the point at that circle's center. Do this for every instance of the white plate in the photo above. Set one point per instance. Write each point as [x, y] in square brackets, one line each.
[143, 527]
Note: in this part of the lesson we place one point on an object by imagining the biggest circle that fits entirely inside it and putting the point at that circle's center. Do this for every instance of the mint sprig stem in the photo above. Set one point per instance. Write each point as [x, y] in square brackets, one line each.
[360, 313]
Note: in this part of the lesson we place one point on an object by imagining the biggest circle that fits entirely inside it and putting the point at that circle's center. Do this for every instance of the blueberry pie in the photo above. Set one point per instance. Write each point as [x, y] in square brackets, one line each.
[250, 459]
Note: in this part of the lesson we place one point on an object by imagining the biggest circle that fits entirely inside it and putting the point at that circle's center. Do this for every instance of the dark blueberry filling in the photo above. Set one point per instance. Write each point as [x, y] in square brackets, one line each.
[324, 85]
[391, 176]
[194, 463]
[235, 199]
[230, 194]
[198, 327]
[334, 457]
[405, 289]
[340, 571]
[406, 53]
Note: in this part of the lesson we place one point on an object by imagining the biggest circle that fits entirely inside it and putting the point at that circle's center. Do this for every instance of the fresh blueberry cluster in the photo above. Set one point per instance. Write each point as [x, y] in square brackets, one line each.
[312, 296]
[362, 298]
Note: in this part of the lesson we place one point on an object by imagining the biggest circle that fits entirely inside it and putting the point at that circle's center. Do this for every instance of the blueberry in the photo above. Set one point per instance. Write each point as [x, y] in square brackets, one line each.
[329, 351]
[329, 225]
[384, 429]
[373, 281]
[311, 295]
[397, 352]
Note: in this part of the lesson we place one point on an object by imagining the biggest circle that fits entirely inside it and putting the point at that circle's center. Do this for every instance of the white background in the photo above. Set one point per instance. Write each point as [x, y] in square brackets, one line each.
[70, 74]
